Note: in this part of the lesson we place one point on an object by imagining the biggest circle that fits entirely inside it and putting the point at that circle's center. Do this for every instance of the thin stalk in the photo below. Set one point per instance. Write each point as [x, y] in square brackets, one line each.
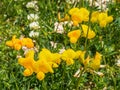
[17, 88]
[114, 81]
[86, 40]
[44, 85]
[113, 78]
[79, 79]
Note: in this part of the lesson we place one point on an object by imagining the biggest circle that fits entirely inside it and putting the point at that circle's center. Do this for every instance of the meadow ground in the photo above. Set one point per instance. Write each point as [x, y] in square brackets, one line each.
[59, 45]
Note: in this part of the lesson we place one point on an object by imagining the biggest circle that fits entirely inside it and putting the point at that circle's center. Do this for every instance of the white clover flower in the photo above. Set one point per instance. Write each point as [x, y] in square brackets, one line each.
[77, 73]
[102, 66]
[25, 49]
[32, 17]
[72, 1]
[101, 4]
[58, 27]
[34, 25]
[53, 44]
[69, 23]
[99, 73]
[118, 63]
[33, 34]
[32, 4]
[61, 50]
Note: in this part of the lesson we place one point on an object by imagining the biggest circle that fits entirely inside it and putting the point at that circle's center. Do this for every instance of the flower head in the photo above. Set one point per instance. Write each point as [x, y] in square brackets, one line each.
[74, 35]
[14, 43]
[34, 25]
[27, 42]
[95, 63]
[104, 19]
[91, 34]
[94, 16]
[79, 15]
[68, 56]
[28, 63]
[32, 17]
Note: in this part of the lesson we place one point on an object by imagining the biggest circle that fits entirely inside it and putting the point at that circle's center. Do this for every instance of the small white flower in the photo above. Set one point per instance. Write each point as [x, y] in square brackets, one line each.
[99, 73]
[58, 27]
[32, 17]
[72, 1]
[25, 49]
[34, 25]
[102, 66]
[61, 50]
[77, 73]
[118, 63]
[53, 44]
[33, 34]
[32, 4]
[101, 4]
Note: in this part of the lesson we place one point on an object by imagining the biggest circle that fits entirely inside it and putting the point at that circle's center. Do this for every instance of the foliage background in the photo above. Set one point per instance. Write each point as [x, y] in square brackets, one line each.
[13, 21]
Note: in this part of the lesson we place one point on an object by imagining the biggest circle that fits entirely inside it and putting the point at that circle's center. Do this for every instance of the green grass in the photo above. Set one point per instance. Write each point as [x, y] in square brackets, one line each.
[13, 21]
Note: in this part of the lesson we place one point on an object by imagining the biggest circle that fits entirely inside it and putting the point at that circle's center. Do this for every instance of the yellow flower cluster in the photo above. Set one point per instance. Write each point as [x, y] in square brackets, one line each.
[79, 15]
[75, 34]
[18, 43]
[47, 61]
[68, 56]
[93, 63]
[101, 17]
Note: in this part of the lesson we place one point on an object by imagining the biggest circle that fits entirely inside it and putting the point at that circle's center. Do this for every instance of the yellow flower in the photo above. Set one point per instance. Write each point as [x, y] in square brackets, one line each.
[68, 56]
[86, 61]
[40, 75]
[81, 57]
[102, 16]
[91, 34]
[17, 43]
[73, 10]
[84, 14]
[14, 43]
[78, 53]
[30, 53]
[94, 16]
[76, 18]
[79, 15]
[74, 35]
[53, 59]
[66, 18]
[95, 63]
[109, 19]
[104, 19]
[45, 54]
[27, 42]
[28, 63]
[28, 72]
[52, 64]
[56, 58]
[103, 23]
[43, 66]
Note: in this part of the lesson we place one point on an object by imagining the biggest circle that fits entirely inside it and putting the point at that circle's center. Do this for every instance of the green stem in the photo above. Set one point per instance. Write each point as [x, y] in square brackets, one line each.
[114, 79]
[44, 85]
[17, 88]
[89, 24]
[78, 82]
